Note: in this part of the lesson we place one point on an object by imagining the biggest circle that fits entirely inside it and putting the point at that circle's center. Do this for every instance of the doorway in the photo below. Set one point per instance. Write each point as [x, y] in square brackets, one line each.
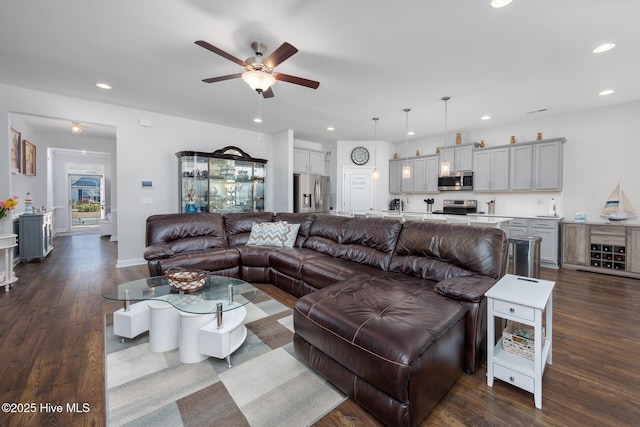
[87, 200]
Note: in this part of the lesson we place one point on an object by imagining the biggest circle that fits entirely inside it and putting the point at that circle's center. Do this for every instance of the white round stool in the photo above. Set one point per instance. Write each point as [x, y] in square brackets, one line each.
[190, 325]
[164, 326]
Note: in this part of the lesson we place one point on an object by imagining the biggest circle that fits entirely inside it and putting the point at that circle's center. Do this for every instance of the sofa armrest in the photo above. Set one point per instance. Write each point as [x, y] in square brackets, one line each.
[465, 288]
[157, 252]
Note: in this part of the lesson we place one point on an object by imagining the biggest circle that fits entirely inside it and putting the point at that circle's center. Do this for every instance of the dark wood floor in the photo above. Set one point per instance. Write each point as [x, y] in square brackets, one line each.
[52, 351]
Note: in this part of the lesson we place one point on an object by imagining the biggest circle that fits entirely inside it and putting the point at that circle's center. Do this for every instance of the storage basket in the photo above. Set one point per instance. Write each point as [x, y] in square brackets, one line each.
[519, 339]
[186, 280]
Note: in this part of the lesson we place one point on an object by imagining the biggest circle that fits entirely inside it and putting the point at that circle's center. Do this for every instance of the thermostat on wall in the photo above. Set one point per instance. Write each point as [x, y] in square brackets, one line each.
[146, 184]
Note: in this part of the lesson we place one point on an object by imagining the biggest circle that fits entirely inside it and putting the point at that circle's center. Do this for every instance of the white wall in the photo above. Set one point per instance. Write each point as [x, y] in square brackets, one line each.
[602, 149]
[142, 153]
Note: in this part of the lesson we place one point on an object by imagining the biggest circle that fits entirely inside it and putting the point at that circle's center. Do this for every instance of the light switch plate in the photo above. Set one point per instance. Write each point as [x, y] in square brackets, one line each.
[147, 200]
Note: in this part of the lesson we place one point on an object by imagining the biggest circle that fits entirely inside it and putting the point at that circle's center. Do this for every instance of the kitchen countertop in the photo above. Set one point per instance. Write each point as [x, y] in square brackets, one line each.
[557, 218]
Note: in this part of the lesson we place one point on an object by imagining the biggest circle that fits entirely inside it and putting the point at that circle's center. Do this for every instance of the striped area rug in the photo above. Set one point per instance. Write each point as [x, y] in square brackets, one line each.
[267, 386]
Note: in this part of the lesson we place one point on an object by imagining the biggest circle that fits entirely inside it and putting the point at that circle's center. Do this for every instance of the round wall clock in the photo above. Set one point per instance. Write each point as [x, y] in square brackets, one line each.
[360, 156]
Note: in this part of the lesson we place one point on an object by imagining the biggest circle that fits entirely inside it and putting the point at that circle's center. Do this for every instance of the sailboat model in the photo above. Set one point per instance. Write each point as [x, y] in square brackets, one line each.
[618, 207]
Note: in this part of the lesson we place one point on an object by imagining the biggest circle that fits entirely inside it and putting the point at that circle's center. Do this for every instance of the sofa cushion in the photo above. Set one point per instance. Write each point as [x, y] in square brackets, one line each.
[377, 328]
[199, 230]
[238, 225]
[370, 241]
[322, 272]
[214, 259]
[439, 251]
[326, 234]
[304, 219]
[289, 261]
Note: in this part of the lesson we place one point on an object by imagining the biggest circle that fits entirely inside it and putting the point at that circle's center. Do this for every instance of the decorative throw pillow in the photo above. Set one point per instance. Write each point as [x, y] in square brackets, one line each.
[267, 234]
[290, 234]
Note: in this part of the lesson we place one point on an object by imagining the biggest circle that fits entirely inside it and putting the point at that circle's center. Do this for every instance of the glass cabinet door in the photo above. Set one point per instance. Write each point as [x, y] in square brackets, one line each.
[227, 180]
[194, 191]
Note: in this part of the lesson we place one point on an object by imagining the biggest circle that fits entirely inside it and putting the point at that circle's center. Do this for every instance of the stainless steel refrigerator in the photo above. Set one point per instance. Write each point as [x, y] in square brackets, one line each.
[310, 193]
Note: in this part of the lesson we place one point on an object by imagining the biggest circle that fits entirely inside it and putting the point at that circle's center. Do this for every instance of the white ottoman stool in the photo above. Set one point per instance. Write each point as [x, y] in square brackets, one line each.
[190, 325]
[220, 343]
[133, 322]
[164, 326]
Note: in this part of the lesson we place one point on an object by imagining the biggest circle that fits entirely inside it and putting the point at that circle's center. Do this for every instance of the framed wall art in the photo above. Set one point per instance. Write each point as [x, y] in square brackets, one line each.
[28, 158]
[16, 151]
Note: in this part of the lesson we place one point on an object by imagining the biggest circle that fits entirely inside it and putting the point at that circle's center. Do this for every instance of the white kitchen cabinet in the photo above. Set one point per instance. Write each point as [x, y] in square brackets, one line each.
[547, 230]
[536, 166]
[491, 169]
[305, 161]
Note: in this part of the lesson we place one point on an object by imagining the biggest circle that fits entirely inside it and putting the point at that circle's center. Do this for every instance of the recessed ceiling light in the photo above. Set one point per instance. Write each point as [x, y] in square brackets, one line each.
[103, 86]
[257, 120]
[487, 117]
[606, 92]
[411, 133]
[330, 128]
[604, 47]
[500, 3]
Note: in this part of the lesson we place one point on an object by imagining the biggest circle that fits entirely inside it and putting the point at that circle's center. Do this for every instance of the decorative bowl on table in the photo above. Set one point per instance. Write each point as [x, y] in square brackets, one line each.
[186, 280]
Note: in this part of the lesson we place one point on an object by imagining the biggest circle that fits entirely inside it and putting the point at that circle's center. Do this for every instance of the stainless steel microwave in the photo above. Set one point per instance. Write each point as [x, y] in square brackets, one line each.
[456, 181]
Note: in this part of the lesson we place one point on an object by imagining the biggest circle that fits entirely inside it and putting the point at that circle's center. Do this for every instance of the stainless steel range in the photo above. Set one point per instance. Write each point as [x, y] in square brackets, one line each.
[459, 207]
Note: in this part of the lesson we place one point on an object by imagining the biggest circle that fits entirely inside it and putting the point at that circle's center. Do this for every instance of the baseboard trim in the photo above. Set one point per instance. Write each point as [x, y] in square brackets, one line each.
[130, 262]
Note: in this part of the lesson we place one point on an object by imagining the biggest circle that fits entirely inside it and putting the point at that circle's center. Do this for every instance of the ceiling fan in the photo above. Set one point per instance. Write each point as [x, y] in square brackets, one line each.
[259, 74]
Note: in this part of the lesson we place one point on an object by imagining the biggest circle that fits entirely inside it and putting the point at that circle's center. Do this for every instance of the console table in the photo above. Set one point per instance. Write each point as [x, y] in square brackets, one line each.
[7, 277]
[520, 299]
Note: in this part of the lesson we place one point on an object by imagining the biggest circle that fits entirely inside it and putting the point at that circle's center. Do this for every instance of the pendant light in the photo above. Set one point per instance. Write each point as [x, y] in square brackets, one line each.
[375, 175]
[445, 166]
[406, 169]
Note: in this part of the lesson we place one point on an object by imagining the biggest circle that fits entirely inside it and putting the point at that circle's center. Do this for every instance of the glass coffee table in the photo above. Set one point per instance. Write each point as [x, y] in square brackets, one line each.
[204, 331]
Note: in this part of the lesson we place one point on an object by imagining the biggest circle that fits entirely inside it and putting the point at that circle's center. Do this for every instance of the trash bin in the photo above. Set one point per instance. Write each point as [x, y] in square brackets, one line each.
[525, 256]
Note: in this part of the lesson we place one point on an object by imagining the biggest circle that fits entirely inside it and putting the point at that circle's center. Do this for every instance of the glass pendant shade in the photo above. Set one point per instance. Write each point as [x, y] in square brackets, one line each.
[445, 168]
[375, 174]
[406, 171]
[258, 80]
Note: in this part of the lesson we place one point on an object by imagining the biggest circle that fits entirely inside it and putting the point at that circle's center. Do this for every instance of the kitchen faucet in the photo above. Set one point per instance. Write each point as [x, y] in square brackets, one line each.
[400, 204]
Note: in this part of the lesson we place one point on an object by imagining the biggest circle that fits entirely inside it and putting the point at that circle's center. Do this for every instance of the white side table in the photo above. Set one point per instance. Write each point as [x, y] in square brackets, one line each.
[521, 299]
[7, 277]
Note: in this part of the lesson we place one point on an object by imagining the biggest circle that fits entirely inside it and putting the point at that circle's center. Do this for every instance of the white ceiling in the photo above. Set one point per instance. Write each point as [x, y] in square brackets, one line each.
[372, 58]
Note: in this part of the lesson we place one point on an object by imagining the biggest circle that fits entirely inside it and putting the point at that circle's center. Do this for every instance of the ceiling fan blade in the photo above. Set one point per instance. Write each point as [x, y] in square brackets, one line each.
[221, 78]
[281, 54]
[220, 52]
[297, 80]
[268, 93]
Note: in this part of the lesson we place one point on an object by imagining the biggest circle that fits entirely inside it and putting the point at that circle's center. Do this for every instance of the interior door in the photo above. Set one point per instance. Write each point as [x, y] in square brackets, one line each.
[358, 192]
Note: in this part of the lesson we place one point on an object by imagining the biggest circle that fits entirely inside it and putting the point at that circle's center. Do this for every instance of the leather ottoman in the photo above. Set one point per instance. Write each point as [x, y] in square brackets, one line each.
[391, 344]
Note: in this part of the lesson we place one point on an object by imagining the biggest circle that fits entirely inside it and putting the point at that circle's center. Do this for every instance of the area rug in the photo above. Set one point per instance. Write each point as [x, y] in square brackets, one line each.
[266, 386]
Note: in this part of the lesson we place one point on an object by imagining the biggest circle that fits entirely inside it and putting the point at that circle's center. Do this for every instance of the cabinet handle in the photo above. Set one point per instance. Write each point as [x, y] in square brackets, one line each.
[512, 309]
[511, 378]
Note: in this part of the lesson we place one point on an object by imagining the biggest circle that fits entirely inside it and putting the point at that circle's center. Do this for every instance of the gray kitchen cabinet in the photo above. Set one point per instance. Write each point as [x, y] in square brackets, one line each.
[424, 175]
[36, 235]
[460, 157]
[491, 169]
[425, 172]
[536, 166]
[547, 230]
[305, 161]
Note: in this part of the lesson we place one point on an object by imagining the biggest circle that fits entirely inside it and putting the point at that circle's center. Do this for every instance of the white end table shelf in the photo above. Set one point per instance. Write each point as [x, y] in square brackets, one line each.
[523, 300]
[7, 276]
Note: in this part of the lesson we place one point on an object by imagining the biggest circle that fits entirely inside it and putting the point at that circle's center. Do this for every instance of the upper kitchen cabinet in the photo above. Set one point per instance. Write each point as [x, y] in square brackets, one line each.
[537, 165]
[491, 169]
[227, 180]
[424, 175]
[305, 161]
[460, 157]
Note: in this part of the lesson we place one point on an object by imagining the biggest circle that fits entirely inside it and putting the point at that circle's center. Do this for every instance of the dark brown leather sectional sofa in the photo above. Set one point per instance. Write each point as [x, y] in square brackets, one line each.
[389, 312]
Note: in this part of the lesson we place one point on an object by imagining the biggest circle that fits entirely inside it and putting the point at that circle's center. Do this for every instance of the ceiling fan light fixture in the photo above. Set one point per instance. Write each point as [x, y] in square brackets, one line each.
[75, 128]
[258, 80]
[500, 3]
